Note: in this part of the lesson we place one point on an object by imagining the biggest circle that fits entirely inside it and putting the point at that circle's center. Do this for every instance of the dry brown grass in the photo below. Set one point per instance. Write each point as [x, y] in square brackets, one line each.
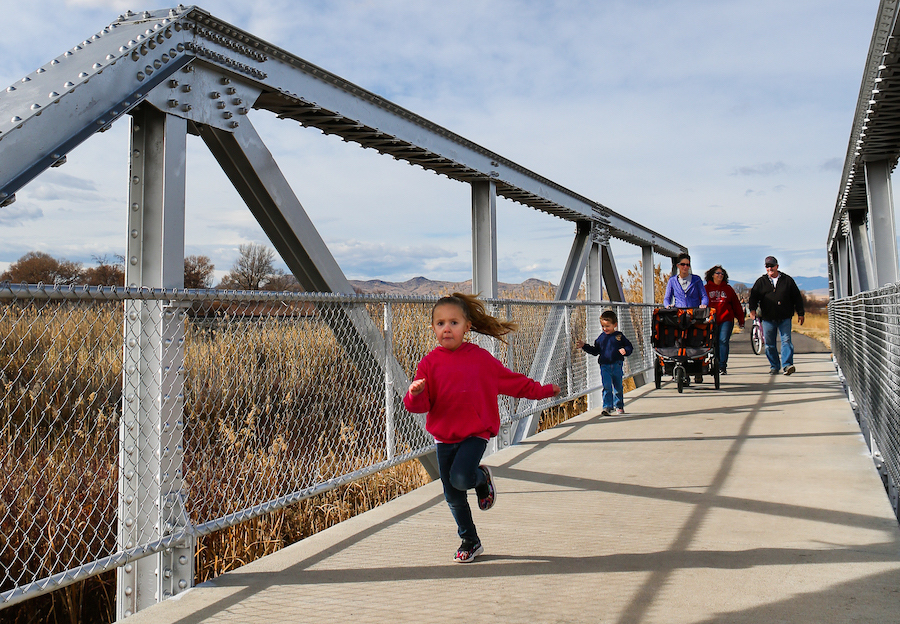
[60, 389]
[815, 326]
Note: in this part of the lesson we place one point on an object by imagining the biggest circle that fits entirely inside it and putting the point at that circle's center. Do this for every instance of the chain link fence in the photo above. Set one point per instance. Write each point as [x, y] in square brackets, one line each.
[865, 340]
[135, 420]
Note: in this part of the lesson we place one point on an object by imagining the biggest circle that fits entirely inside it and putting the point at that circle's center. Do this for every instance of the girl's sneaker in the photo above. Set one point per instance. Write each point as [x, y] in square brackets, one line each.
[620, 411]
[487, 493]
[467, 551]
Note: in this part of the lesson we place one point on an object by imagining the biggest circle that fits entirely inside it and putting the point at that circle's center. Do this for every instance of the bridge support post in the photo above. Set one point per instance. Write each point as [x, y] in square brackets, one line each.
[594, 294]
[861, 270]
[647, 274]
[617, 293]
[881, 222]
[484, 239]
[151, 478]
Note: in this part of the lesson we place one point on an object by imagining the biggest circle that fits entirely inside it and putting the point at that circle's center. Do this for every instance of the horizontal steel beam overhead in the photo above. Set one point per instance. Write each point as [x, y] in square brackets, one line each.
[875, 134]
[141, 51]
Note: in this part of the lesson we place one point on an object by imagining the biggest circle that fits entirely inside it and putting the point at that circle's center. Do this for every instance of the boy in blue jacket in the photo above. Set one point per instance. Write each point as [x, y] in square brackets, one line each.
[611, 349]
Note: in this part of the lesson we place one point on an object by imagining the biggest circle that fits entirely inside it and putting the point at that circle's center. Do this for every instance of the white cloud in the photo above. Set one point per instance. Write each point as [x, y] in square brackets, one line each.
[667, 129]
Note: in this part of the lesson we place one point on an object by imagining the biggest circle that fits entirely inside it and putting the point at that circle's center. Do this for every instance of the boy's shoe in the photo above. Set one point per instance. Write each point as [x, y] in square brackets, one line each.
[789, 370]
[487, 494]
[620, 410]
[467, 551]
[773, 371]
[606, 411]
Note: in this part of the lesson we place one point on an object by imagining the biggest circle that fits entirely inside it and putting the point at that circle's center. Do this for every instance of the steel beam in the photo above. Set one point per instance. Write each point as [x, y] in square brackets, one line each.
[151, 452]
[249, 165]
[881, 218]
[569, 285]
[484, 240]
[647, 274]
[861, 265]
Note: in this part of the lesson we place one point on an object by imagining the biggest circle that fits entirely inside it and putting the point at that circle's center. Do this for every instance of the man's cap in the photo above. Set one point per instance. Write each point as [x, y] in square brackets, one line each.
[771, 261]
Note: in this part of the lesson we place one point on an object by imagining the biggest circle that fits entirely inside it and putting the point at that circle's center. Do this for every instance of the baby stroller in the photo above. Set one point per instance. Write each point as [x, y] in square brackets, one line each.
[685, 343]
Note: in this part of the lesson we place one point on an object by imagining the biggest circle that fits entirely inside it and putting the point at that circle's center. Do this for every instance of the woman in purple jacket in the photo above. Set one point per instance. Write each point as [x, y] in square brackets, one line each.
[685, 290]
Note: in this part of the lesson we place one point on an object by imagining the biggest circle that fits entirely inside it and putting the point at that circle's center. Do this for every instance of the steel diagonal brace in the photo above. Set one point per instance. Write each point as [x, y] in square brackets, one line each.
[550, 342]
[249, 165]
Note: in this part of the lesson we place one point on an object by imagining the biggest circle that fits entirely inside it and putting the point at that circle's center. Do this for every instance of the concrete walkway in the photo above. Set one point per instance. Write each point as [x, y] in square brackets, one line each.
[755, 503]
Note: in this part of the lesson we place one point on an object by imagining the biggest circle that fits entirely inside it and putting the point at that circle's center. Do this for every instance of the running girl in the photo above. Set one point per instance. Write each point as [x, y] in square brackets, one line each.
[457, 384]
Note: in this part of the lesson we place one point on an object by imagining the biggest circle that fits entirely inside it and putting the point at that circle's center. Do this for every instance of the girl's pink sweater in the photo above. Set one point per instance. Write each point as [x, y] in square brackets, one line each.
[461, 391]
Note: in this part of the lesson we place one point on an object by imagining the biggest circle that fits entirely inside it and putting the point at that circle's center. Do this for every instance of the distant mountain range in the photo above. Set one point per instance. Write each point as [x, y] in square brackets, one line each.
[422, 286]
[529, 289]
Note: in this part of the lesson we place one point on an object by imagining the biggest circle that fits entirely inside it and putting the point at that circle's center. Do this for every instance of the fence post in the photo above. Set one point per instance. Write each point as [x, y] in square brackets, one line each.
[388, 381]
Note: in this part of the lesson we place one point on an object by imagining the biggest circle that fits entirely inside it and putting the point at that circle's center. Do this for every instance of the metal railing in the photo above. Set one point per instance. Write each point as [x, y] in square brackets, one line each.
[865, 340]
[266, 399]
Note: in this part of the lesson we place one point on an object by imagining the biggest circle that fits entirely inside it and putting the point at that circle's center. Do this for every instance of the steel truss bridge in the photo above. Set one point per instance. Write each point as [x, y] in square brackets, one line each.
[183, 71]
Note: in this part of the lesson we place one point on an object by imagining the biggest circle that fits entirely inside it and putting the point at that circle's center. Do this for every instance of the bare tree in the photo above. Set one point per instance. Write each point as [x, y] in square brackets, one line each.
[253, 270]
[105, 273]
[198, 272]
[39, 267]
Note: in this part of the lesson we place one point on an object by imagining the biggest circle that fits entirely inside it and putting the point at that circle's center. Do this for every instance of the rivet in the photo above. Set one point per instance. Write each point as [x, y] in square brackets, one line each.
[96, 66]
[16, 119]
[237, 101]
[128, 591]
[129, 499]
[129, 568]
[10, 89]
[35, 106]
[135, 206]
[182, 560]
[129, 475]
[134, 233]
[135, 56]
[53, 94]
[233, 124]
[148, 70]
[133, 260]
[129, 522]
[68, 53]
[220, 104]
[26, 79]
[151, 44]
[182, 584]
[165, 58]
[40, 70]
[173, 103]
[227, 114]
[127, 612]
[54, 62]
[186, 107]
[110, 57]
[226, 80]
[143, 50]
[136, 180]
[69, 85]
[186, 88]
[83, 75]
[180, 47]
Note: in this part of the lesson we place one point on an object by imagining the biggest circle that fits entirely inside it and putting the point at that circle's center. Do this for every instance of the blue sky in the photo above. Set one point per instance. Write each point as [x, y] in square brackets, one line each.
[721, 124]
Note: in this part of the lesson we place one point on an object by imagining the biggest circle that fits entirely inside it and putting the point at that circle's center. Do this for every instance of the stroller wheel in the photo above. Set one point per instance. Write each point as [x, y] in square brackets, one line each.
[679, 378]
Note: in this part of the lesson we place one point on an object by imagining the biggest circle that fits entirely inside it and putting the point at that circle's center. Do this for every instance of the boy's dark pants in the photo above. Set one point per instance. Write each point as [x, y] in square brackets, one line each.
[458, 464]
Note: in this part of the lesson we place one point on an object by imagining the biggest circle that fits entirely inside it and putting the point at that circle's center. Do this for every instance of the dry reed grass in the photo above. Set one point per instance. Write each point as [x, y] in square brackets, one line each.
[60, 377]
[815, 325]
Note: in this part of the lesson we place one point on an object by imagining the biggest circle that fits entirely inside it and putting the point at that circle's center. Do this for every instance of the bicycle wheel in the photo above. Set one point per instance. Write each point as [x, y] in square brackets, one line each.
[756, 339]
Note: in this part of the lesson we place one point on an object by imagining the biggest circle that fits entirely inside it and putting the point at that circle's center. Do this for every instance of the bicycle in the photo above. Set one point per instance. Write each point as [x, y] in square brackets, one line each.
[757, 336]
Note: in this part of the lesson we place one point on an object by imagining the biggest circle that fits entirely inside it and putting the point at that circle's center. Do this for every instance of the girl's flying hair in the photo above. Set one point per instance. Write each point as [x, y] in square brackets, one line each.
[475, 312]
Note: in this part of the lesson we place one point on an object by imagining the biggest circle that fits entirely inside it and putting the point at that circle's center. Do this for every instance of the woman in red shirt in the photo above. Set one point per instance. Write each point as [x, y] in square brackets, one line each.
[457, 384]
[728, 310]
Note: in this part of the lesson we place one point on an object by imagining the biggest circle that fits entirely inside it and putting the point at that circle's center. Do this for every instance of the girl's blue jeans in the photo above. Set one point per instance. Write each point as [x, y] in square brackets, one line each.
[725, 330]
[611, 375]
[458, 464]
